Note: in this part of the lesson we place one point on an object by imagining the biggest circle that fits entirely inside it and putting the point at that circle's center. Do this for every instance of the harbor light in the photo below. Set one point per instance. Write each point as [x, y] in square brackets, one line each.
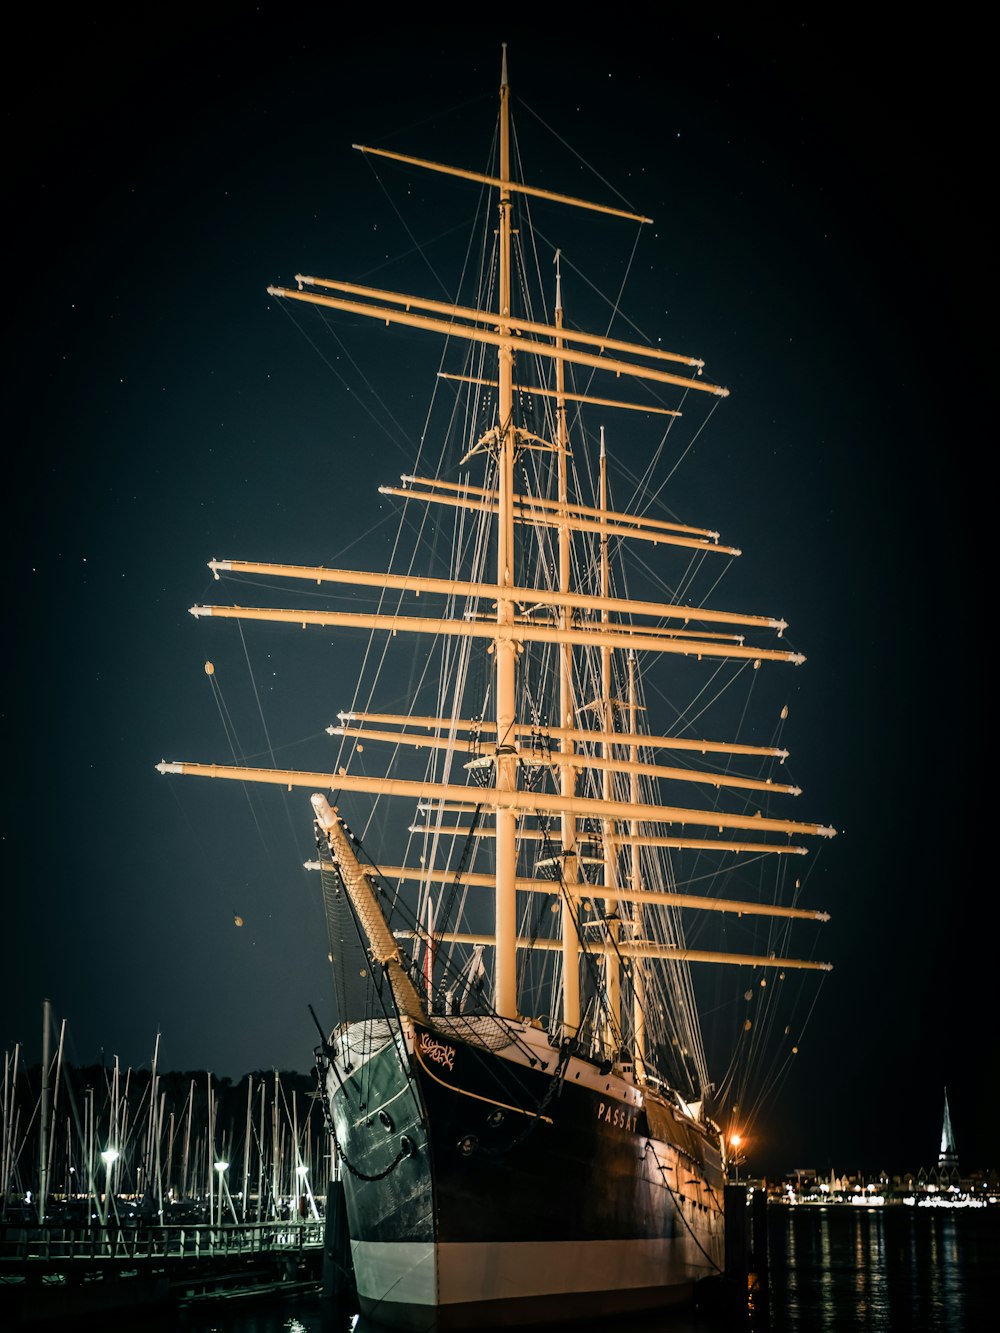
[735, 1143]
[109, 1156]
[221, 1167]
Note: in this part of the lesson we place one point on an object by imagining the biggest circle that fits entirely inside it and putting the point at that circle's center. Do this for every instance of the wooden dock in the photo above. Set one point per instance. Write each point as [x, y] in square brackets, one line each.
[49, 1273]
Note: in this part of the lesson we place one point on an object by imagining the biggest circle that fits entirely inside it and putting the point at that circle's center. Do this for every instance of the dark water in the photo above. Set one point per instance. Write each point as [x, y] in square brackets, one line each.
[892, 1270]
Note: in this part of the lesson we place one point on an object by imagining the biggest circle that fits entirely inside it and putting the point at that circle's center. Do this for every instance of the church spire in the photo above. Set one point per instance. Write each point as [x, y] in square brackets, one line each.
[948, 1156]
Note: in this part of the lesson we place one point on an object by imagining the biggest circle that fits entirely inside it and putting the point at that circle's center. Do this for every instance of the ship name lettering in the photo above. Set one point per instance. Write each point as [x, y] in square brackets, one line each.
[617, 1115]
[437, 1050]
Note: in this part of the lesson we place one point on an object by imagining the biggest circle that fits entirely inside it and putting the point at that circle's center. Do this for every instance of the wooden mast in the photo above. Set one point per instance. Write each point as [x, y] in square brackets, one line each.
[570, 870]
[638, 925]
[612, 923]
[506, 648]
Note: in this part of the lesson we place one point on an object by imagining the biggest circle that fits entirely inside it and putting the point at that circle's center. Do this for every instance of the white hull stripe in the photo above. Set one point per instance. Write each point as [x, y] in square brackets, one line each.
[398, 1271]
[417, 1273]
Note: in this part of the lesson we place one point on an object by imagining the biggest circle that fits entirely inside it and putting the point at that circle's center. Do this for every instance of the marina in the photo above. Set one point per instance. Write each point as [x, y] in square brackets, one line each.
[124, 1146]
[136, 1189]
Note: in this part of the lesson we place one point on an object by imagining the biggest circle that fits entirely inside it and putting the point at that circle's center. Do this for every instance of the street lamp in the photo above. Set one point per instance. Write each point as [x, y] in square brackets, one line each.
[109, 1156]
[303, 1174]
[221, 1168]
[734, 1142]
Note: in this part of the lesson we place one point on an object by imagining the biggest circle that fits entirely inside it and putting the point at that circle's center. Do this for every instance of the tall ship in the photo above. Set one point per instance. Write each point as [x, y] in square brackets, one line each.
[539, 862]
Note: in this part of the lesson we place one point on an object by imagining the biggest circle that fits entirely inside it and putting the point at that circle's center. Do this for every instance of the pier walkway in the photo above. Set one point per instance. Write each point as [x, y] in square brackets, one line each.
[48, 1272]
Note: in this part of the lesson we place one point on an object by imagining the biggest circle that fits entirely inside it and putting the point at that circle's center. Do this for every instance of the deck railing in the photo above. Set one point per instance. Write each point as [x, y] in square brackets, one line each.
[25, 1244]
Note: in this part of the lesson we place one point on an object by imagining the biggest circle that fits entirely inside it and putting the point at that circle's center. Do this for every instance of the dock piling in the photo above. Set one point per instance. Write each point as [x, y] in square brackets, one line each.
[758, 1254]
[339, 1288]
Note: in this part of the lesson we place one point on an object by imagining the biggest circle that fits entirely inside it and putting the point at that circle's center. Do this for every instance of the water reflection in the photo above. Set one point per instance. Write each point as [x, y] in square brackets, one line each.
[680, 1321]
[933, 1270]
[951, 1276]
[825, 1268]
[878, 1285]
[882, 1269]
[869, 1270]
[789, 1236]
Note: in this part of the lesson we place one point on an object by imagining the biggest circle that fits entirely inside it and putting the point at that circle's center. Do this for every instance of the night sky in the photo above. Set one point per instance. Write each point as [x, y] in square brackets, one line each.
[819, 240]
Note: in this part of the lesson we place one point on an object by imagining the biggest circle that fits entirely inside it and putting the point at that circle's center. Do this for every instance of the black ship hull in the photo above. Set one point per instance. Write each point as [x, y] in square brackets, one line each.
[493, 1187]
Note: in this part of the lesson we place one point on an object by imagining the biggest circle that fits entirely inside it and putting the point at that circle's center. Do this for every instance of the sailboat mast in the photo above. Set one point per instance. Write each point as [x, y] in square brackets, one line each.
[43, 1134]
[567, 711]
[506, 650]
[612, 973]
